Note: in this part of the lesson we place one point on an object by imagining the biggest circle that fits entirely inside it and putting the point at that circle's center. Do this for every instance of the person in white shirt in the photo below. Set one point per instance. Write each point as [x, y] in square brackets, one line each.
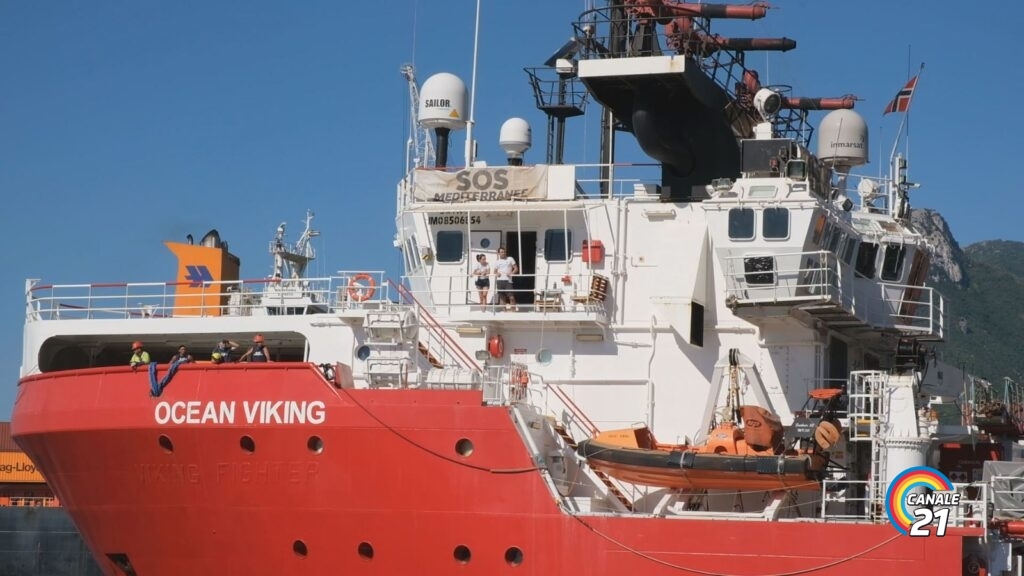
[504, 268]
[483, 277]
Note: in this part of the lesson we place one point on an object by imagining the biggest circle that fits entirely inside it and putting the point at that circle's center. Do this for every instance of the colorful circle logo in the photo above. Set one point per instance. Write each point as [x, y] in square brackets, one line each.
[901, 514]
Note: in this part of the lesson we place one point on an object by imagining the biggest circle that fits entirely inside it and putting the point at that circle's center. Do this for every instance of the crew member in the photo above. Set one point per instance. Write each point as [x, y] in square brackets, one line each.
[139, 355]
[224, 348]
[258, 352]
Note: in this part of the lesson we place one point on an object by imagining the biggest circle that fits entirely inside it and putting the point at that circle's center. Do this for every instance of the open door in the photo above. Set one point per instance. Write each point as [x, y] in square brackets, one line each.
[523, 247]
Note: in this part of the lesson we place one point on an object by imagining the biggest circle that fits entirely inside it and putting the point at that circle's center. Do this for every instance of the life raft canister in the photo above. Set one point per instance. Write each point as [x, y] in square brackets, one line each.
[496, 346]
[359, 291]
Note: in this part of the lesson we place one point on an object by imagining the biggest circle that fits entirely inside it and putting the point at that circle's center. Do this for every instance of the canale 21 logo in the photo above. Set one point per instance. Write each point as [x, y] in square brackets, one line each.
[913, 512]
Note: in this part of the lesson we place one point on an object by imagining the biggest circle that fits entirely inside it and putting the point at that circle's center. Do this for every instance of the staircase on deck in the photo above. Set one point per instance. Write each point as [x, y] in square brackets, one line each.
[612, 488]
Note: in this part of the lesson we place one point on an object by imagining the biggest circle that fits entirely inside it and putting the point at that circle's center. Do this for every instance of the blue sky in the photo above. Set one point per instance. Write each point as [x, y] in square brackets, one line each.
[125, 124]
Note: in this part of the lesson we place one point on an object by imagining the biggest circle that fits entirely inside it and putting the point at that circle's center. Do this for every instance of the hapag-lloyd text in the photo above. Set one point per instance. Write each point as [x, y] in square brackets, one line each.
[253, 412]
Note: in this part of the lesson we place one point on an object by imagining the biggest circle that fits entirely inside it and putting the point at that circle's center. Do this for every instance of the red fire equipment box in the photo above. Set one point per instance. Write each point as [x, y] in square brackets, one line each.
[593, 251]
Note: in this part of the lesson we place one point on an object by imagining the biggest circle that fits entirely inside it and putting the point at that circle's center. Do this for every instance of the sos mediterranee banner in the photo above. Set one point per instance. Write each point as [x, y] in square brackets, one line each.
[482, 184]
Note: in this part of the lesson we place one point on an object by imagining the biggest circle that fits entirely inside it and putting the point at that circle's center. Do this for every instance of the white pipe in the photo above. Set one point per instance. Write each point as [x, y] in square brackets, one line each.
[472, 91]
[650, 380]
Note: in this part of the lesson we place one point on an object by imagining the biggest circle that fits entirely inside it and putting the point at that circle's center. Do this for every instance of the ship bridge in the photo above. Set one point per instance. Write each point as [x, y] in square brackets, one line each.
[790, 243]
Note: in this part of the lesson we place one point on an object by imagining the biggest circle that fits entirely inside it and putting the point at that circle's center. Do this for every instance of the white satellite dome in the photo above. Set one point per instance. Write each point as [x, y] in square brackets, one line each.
[515, 137]
[843, 139]
[443, 102]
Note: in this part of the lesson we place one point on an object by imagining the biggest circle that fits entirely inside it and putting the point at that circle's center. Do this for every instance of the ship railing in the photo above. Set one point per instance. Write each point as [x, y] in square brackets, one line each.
[30, 501]
[571, 423]
[558, 403]
[914, 310]
[851, 500]
[572, 296]
[867, 401]
[845, 500]
[618, 180]
[1005, 500]
[506, 385]
[611, 31]
[822, 279]
[995, 404]
[438, 339]
[178, 299]
[590, 181]
[789, 277]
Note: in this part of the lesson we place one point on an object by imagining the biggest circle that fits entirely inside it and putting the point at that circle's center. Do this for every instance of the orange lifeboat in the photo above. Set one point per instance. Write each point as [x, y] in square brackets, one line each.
[734, 457]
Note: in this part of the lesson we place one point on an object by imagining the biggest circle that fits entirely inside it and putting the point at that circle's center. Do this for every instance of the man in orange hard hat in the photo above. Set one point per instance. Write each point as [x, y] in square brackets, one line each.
[139, 355]
[258, 352]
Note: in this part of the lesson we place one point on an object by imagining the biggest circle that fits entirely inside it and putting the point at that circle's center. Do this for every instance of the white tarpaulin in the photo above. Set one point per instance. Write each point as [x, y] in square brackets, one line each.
[482, 184]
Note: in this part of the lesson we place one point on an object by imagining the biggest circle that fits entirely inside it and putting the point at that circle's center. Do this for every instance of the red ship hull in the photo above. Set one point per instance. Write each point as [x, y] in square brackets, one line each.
[387, 494]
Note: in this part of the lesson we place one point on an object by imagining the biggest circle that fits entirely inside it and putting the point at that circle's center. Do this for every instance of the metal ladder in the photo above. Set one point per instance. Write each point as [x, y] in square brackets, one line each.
[390, 346]
[868, 404]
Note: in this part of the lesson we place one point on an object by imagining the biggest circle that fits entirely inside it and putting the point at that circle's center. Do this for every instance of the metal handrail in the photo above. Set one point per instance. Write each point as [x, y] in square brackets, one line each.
[822, 276]
[224, 297]
[435, 327]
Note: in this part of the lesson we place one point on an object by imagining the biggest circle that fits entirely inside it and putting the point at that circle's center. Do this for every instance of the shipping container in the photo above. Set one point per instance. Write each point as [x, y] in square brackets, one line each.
[16, 467]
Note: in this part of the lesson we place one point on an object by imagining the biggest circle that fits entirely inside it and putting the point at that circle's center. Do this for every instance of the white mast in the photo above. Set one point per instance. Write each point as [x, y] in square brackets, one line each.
[470, 148]
[419, 148]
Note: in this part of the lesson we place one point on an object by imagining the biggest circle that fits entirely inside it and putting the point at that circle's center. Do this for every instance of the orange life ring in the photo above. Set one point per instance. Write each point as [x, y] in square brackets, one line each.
[496, 346]
[359, 292]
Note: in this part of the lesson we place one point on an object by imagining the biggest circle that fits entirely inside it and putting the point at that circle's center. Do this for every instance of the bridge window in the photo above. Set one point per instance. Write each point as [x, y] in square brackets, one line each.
[763, 191]
[866, 258]
[449, 246]
[849, 250]
[775, 223]
[892, 262]
[556, 242]
[797, 170]
[835, 241]
[741, 224]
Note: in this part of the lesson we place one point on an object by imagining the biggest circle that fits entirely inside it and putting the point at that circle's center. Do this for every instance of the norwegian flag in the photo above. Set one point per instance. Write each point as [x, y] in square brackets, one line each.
[902, 100]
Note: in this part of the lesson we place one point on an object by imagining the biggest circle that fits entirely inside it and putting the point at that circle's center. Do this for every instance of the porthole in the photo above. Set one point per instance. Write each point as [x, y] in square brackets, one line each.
[165, 443]
[315, 444]
[464, 447]
[248, 444]
[513, 556]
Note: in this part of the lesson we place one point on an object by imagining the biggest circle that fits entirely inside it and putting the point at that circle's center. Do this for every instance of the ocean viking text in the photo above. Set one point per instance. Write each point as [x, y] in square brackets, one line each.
[253, 412]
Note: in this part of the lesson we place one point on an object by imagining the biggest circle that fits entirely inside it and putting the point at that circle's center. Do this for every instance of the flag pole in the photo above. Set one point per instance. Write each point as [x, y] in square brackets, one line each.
[899, 133]
[906, 147]
[904, 122]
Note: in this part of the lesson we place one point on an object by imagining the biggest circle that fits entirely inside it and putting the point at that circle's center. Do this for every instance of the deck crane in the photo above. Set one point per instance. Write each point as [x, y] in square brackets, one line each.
[419, 148]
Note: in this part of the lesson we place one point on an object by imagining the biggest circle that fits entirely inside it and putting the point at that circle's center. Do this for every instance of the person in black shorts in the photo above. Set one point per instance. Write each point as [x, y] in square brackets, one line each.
[482, 271]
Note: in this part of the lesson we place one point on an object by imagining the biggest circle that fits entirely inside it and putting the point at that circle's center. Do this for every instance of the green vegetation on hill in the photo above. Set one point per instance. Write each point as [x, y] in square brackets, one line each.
[985, 311]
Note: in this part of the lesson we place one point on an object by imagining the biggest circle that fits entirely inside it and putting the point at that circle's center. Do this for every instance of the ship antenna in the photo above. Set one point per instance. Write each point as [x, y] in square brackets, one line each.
[470, 152]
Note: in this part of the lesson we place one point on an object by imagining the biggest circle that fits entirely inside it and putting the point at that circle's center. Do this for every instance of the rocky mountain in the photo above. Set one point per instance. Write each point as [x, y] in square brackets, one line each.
[983, 288]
